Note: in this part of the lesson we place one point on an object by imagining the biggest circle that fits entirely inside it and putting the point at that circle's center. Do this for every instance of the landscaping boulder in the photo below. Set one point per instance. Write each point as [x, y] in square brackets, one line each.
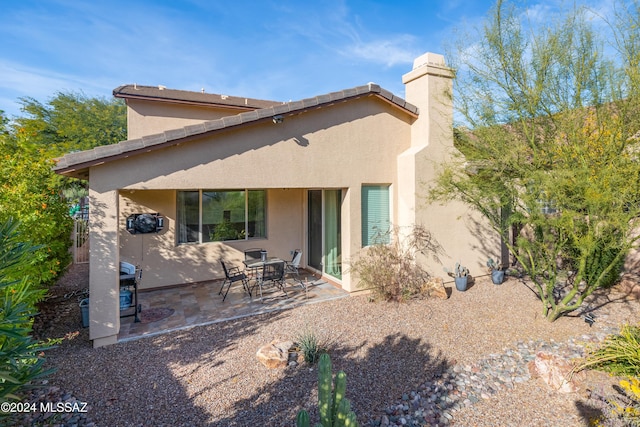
[556, 372]
[629, 282]
[275, 354]
[435, 288]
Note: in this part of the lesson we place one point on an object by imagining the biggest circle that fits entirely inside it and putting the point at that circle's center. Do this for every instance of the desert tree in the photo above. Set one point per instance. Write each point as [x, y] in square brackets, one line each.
[548, 138]
[71, 121]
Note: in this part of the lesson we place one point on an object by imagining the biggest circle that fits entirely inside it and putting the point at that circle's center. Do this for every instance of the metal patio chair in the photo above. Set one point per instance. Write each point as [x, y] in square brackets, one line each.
[233, 275]
[272, 275]
[251, 255]
[292, 268]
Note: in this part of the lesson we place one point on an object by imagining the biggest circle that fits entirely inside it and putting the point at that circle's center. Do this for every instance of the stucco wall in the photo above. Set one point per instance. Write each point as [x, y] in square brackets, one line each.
[150, 117]
[104, 309]
[342, 147]
[165, 262]
[332, 147]
[462, 234]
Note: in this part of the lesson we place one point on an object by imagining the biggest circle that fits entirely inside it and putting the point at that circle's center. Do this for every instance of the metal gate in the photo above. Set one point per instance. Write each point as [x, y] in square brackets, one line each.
[80, 241]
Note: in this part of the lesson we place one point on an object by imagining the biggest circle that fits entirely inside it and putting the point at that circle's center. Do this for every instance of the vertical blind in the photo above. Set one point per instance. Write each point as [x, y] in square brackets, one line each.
[375, 214]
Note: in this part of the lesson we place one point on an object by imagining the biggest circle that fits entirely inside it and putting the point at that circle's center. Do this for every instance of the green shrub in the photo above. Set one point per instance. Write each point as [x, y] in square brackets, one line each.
[21, 359]
[391, 270]
[618, 354]
[625, 405]
[29, 194]
[310, 345]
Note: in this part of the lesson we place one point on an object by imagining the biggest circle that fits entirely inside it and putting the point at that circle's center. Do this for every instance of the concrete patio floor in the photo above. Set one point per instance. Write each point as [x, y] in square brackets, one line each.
[200, 304]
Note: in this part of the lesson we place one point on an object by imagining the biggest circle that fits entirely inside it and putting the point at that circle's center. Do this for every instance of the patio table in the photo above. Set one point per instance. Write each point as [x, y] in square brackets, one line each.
[257, 267]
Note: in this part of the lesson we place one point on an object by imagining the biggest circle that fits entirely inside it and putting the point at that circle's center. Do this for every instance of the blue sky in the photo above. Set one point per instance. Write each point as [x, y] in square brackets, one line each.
[279, 50]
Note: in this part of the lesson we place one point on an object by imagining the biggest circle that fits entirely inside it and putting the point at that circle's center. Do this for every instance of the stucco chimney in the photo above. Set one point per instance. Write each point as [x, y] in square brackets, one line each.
[458, 230]
[428, 87]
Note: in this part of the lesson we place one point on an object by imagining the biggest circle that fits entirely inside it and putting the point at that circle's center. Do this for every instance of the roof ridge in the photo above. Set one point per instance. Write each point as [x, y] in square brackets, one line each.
[162, 93]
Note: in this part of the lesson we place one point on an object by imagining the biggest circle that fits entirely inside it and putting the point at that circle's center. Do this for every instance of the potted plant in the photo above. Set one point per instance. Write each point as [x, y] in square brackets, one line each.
[497, 273]
[460, 275]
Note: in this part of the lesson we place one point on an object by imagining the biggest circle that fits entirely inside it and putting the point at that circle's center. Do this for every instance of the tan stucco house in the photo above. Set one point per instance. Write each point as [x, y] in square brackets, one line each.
[229, 173]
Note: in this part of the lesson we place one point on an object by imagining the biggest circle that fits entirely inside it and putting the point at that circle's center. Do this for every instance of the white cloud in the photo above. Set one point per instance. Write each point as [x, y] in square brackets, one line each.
[390, 52]
[539, 13]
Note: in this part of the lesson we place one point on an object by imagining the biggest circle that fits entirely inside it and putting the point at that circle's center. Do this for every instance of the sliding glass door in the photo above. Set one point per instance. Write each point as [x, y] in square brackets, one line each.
[324, 231]
[315, 229]
[332, 234]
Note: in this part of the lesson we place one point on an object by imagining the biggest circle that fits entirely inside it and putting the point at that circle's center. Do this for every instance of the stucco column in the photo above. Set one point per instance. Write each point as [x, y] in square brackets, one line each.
[104, 307]
[351, 223]
[407, 188]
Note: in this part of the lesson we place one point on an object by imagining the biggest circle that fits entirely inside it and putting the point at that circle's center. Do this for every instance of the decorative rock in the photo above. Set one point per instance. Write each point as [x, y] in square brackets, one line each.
[438, 399]
[629, 286]
[275, 354]
[435, 288]
[556, 372]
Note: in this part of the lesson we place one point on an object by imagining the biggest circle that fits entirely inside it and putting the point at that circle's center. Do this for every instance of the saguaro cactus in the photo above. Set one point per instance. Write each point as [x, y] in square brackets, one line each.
[334, 409]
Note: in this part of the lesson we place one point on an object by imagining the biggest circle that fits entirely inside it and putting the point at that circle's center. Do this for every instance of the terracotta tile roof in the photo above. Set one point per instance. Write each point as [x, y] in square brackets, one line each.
[76, 164]
[162, 94]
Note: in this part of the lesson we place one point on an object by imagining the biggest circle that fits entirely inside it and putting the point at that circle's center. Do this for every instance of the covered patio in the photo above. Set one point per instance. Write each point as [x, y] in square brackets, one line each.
[199, 304]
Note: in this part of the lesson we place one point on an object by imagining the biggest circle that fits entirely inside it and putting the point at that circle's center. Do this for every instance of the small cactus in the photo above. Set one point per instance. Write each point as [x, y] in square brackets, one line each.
[458, 271]
[325, 406]
[493, 265]
[334, 409]
[302, 420]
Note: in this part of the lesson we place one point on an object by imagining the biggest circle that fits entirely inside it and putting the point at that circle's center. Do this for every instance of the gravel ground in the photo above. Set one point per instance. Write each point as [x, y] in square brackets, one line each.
[210, 375]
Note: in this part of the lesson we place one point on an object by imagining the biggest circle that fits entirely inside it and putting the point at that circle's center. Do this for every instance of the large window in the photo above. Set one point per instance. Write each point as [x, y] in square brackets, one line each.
[375, 214]
[219, 215]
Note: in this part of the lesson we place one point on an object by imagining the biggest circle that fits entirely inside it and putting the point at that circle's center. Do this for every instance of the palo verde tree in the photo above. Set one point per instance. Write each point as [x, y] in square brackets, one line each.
[548, 133]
